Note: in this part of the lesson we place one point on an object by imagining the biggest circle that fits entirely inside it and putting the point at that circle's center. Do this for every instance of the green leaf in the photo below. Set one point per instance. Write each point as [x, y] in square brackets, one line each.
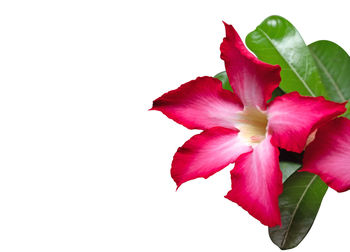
[289, 163]
[347, 113]
[277, 92]
[224, 79]
[276, 41]
[288, 168]
[222, 76]
[334, 67]
[299, 203]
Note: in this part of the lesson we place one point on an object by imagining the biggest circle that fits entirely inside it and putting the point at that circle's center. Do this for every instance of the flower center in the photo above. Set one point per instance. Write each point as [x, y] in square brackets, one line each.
[252, 124]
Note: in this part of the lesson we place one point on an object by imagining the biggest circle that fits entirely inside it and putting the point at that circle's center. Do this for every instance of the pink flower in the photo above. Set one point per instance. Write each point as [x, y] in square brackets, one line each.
[242, 127]
[329, 154]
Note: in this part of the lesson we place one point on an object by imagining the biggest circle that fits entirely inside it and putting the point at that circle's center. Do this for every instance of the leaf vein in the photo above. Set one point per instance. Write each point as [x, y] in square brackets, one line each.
[294, 70]
[330, 77]
[295, 210]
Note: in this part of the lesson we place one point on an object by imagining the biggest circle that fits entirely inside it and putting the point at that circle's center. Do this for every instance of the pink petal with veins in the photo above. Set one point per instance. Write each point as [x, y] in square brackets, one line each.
[207, 153]
[257, 183]
[251, 79]
[200, 104]
[292, 118]
[329, 154]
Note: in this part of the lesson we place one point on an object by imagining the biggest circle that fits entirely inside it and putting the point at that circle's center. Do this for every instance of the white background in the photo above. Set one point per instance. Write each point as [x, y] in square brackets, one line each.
[85, 167]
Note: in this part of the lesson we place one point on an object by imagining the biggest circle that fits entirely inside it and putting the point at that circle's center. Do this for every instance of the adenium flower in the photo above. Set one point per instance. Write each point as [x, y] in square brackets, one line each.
[242, 127]
[329, 154]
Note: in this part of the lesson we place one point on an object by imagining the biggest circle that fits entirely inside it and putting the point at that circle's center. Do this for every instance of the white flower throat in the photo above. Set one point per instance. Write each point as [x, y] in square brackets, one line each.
[252, 124]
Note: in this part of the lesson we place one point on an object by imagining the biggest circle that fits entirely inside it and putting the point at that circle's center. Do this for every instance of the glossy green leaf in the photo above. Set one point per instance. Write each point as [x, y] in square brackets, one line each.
[276, 41]
[334, 67]
[347, 113]
[276, 92]
[289, 163]
[224, 79]
[222, 76]
[299, 203]
[288, 168]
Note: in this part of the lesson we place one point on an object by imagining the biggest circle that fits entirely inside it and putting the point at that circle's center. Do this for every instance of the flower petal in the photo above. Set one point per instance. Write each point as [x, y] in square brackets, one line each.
[207, 153]
[257, 183]
[292, 118]
[251, 79]
[200, 104]
[329, 154]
